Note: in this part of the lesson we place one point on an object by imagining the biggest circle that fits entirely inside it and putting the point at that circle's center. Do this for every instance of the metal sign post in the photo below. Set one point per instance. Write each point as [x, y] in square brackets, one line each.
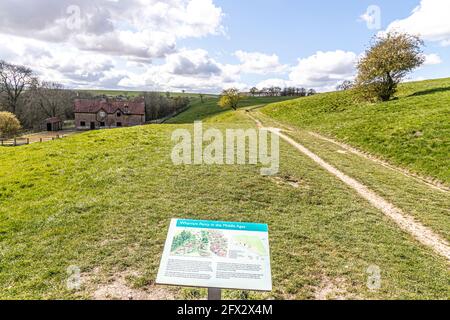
[214, 294]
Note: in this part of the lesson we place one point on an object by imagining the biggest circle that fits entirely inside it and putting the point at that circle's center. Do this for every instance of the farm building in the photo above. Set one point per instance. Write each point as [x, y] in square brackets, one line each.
[53, 124]
[106, 113]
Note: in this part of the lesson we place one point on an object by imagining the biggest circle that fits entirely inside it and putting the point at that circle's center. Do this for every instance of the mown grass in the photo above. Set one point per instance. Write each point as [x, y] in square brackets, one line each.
[412, 131]
[103, 201]
[428, 205]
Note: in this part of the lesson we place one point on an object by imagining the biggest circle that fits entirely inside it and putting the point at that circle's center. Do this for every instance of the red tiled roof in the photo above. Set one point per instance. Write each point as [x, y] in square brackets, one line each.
[93, 106]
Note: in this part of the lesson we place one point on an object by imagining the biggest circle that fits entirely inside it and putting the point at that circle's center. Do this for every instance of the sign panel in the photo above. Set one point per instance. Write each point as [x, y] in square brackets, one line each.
[216, 254]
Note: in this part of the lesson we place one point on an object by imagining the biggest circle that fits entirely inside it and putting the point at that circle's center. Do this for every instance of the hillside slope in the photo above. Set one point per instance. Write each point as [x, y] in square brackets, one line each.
[102, 201]
[412, 131]
[210, 111]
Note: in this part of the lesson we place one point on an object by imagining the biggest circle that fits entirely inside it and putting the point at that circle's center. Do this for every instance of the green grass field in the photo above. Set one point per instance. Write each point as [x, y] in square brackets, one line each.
[412, 131]
[103, 200]
[209, 111]
[133, 94]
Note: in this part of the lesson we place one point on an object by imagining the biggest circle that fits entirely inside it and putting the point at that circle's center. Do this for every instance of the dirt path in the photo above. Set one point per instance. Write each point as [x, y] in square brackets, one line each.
[406, 222]
[427, 181]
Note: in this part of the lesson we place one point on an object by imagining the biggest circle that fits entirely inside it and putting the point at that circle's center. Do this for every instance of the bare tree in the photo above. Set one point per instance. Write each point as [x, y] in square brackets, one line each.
[345, 85]
[52, 98]
[14, 80]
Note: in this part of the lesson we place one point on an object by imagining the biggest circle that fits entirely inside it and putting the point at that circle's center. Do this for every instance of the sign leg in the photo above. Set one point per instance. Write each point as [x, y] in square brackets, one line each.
[214, 294]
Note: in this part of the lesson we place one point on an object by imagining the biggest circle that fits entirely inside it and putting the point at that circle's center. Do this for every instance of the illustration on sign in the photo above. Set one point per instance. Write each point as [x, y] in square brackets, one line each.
[215, 254]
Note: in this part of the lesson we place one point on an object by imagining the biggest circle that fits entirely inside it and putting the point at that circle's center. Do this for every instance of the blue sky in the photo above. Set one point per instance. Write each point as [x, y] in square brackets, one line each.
[209, 45]
[296, 29]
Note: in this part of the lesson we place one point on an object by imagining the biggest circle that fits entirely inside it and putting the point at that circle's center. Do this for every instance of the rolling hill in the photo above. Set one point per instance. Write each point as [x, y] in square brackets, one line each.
[412, 131]
[100, 202]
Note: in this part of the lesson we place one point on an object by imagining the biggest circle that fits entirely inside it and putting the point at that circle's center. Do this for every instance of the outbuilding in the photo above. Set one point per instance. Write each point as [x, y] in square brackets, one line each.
[54, 124]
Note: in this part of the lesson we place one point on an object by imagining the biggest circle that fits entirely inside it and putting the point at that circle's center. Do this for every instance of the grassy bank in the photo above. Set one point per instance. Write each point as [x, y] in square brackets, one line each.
[412, 131]
[208, 110]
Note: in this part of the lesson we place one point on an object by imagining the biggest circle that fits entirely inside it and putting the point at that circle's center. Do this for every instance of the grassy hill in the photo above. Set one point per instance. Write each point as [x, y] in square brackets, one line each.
[412, 131]
[210, 111]
[102, 201]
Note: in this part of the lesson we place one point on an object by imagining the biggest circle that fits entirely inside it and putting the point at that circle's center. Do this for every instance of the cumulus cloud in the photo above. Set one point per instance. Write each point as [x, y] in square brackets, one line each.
[53, 62]
[430, 20]
[192, 70]
[139, 28]
[192, 62]
[324, 70]
[111, 43]
[432, 59]
[259, 63]
[274, 83]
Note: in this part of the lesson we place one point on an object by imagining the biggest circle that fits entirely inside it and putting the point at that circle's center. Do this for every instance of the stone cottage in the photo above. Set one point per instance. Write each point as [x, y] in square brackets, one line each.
[106, 113]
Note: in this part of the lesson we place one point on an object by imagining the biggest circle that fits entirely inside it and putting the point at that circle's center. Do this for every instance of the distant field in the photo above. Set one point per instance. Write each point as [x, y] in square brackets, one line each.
[412, 131]
[138, 93]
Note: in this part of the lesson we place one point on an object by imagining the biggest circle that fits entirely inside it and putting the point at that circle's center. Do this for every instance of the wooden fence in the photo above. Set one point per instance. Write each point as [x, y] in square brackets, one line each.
[24, 141]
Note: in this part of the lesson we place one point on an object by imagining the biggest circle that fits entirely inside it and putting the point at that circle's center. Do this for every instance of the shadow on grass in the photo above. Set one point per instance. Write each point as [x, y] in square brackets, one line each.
[430, 91]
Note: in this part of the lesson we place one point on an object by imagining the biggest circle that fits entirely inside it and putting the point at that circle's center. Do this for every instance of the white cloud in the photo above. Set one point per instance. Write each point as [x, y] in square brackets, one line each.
[432, 59]
[192, 63]
[430, 20]
[135, 28]
[109, 44]
[324, 70]
[273, 83]
[192, 70]
[259, 63]
[53, 62]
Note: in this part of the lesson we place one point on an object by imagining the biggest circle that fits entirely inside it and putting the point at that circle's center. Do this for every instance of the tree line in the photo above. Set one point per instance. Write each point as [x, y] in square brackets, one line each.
[282, 92]
[158, 106]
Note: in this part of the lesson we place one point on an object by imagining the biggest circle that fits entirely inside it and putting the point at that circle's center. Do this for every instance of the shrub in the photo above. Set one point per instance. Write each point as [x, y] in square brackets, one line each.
[9, 125]
[388, 60]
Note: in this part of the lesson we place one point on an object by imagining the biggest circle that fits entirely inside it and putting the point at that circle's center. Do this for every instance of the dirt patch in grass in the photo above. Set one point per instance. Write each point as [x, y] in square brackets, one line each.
[291, 181]
[118, 287]
[332, 289]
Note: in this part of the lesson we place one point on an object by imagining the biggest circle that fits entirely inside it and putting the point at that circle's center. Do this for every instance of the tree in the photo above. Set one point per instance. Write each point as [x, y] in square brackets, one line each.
[254, 91]
[311, 92]
[230, 98]
[158, 106]
[52, 98]
[13, 81]
[277, 91]
[9, 125]
[202, 97]
[345, 85]
[385, 64]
